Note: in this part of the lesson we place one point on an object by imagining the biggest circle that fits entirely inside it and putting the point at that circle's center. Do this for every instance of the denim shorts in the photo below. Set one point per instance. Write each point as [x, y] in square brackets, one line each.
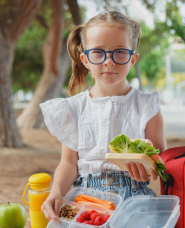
[115, 181]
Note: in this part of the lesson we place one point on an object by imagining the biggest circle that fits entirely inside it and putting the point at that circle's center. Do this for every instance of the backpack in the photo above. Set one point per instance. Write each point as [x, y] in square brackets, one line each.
[174, 160]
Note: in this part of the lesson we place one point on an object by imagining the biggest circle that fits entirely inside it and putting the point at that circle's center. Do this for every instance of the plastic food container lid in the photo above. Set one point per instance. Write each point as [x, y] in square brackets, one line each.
[147, 212]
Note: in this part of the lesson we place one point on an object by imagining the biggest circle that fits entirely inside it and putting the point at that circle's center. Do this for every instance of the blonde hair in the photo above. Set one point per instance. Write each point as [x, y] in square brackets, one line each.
[77, 42]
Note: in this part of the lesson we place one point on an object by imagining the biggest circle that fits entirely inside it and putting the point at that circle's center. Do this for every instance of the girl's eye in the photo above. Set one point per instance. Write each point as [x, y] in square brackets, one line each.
[121, 52]
[97, 52]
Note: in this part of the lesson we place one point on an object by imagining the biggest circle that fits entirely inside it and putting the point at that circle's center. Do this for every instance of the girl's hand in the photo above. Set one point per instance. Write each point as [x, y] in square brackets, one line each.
[139, 174]
[51, 207]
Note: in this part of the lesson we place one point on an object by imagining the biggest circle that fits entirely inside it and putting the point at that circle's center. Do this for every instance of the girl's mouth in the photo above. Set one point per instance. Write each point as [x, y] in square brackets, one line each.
[108, 73]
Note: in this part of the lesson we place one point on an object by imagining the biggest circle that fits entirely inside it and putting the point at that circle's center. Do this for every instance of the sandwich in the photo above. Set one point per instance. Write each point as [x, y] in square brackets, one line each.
[127, 150]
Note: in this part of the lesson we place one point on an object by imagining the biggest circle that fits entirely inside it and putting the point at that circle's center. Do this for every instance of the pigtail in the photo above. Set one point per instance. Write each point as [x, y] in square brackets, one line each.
[79, 71]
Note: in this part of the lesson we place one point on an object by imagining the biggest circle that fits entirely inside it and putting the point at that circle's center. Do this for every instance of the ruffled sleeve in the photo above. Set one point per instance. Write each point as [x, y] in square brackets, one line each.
[60, 121]
[150, 108]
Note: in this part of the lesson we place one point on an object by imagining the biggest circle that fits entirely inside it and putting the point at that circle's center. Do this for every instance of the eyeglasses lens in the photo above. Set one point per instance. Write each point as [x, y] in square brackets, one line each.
[96, 56]
[121, 56]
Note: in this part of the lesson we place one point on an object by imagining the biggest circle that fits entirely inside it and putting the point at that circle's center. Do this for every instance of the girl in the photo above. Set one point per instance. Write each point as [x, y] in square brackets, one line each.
[85, 123]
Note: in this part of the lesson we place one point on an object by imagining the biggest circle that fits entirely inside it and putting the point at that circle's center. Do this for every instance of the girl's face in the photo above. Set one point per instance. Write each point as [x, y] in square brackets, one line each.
[108, 38]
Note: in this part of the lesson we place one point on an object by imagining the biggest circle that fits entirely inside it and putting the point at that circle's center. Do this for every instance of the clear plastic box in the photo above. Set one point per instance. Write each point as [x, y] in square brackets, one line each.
[135, 212]
[147, 212]
[69, 198]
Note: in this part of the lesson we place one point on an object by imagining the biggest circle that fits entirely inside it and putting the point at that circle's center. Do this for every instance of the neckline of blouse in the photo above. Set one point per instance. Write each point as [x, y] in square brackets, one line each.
[117, 98]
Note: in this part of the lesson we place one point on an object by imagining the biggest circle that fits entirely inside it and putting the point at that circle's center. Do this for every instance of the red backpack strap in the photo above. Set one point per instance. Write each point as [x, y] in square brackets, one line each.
[167, 184]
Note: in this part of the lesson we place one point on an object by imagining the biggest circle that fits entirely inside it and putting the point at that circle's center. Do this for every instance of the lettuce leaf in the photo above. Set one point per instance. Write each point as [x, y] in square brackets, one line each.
[160, 166]
[163, 176]
[121, 144]
[139, 146]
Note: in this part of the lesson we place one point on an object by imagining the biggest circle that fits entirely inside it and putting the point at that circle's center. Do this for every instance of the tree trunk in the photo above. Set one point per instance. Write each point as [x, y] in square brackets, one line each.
[49, 87]
[9, 133]
[52, 78]
[13, 21]
[75, 11]
[31, 116]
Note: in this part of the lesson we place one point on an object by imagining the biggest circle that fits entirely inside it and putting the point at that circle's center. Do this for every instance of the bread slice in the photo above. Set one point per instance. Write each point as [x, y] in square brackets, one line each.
[120, 159]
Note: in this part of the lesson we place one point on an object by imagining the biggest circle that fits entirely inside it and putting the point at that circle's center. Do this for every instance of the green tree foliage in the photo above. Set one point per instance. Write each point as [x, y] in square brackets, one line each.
[28, 62]
[154, 43]
[174, 22]
[132, 74]
[151, 51]
[175, 19]
[151, 65]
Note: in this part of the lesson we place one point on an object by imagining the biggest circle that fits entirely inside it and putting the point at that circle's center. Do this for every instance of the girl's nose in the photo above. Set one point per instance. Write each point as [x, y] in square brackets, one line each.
[109, 61]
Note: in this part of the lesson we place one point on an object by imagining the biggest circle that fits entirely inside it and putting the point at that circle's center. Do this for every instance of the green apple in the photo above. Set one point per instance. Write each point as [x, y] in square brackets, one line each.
[12, 215]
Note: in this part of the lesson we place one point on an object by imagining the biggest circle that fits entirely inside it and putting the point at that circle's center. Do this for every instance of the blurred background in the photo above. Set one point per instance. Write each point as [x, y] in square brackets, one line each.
[35, 67]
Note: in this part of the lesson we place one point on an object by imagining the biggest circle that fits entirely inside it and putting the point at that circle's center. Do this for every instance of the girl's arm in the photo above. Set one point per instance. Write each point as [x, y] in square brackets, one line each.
[154, 131]
[67, 170]
[64, 176]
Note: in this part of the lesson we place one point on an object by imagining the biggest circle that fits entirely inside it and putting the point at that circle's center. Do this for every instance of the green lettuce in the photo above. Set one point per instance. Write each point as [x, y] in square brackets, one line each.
[122, 144]
[139, 146]
[160, 166]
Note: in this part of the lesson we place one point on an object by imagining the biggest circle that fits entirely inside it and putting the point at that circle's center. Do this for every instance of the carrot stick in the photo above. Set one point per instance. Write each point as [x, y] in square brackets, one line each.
[92, 204]
[79, 198]
[95, 200]
[82, 199]
[95, 205]
[106, 201]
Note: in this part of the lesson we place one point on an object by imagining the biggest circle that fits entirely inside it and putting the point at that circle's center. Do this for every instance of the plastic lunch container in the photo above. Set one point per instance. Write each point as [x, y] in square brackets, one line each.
[147, 212]
[69, 198]
[135, 212]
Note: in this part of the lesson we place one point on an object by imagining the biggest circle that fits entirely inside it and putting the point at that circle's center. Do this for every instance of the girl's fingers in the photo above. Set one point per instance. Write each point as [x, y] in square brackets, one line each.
[142, 172]
[135, 171]
[130, 170]
[46, 214]
[56, 219]
[138, 172]
[58, 204]
[153, 175]
[49, 213]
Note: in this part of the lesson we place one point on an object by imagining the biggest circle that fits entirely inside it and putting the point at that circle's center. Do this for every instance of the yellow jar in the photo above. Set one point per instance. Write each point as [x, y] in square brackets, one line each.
[37, 194]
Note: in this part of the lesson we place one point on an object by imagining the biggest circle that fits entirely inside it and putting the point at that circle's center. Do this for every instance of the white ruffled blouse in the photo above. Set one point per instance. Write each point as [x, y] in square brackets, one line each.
[87, 125]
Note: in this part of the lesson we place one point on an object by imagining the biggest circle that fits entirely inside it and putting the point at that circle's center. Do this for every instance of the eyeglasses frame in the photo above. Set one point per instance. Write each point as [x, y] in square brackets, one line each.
[131, 52]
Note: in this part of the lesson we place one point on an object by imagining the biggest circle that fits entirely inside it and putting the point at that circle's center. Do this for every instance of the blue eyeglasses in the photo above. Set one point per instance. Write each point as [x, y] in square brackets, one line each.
[119, 56]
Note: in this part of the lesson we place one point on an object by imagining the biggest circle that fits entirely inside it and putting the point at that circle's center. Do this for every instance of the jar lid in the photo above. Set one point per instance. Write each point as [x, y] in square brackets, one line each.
[39, 180]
